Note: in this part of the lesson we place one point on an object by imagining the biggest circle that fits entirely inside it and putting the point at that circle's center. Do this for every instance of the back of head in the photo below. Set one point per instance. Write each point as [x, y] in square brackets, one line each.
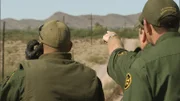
[161, 13]
[54, 34]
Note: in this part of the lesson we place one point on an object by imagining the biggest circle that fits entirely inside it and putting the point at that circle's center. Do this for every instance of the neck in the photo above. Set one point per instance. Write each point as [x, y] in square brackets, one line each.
[48, 49]
[156, 37]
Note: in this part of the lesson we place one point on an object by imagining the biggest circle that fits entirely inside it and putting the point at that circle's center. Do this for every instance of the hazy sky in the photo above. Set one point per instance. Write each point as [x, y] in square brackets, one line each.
[42, 9]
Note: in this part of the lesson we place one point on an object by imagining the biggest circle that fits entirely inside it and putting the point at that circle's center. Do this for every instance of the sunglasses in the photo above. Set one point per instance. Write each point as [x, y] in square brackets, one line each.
[40, 28]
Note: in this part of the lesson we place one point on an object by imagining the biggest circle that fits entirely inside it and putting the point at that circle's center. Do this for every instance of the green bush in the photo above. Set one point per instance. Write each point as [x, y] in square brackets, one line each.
[127, 33]
[23, 35]
[80, 33]
[97, 32]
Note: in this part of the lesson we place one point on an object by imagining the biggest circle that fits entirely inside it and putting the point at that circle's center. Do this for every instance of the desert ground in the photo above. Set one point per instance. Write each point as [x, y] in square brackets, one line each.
[94, 55]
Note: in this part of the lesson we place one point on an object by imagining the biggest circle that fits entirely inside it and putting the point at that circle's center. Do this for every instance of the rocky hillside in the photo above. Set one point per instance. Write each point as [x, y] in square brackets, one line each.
[81, 21]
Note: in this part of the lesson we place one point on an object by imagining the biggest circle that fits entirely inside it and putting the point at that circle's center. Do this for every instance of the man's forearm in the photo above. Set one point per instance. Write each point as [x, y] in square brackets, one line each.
[114, 43]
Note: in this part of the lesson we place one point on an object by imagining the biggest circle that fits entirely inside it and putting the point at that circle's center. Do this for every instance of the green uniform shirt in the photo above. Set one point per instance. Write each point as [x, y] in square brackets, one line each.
[12, 89]
[120, 62]
[152, 74]
[53, 77]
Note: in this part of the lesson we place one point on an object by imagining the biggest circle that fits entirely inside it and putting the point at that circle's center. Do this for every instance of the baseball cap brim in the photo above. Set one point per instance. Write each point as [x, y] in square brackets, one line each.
[138, 25]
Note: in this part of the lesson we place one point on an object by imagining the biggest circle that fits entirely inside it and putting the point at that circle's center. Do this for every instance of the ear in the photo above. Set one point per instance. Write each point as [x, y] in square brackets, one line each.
[147, 27]
[144, 36]
[69, 46]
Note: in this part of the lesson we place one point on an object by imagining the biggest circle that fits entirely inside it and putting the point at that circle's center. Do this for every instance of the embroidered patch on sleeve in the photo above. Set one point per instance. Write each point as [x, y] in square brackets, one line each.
[128, 81]
[122, 53]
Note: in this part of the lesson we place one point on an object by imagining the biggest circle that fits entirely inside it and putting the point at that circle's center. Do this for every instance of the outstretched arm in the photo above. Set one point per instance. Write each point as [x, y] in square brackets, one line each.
[120, 59]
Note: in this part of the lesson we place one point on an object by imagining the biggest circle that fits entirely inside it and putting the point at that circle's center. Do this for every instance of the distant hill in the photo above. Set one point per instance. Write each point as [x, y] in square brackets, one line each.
[81, 21]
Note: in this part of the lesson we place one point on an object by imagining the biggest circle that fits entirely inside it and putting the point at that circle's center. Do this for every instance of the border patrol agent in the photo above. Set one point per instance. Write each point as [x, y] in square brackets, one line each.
[54, 76]
[152, 74]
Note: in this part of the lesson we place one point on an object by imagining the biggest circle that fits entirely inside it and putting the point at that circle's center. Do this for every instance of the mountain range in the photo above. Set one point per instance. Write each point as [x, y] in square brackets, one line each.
[81, 21]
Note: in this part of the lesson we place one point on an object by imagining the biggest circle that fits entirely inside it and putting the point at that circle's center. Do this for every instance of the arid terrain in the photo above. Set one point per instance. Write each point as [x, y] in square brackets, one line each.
[80, 21]
[94, 56]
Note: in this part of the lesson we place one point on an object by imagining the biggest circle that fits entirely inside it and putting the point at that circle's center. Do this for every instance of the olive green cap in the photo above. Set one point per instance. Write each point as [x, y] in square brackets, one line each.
[54, 33]
[155, 10]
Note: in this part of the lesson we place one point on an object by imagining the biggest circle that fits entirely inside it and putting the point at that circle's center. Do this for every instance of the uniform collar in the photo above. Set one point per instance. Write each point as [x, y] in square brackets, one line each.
[167, 35]
[147, 46]
[59, 55]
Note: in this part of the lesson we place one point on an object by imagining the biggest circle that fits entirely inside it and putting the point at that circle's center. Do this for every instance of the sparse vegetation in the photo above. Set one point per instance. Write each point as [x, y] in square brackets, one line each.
[13, 49]
[97, 32]
[23, 35]
[127, 33]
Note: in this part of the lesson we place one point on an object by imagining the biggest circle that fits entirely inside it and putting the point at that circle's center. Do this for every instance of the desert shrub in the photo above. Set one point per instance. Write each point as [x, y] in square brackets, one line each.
[97, 32]
[127, 33]
[80, 33]
[23, 35]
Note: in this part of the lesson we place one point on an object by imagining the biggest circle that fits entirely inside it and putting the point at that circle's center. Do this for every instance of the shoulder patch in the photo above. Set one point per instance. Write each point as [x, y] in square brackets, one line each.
[128, 81]
[122, 53]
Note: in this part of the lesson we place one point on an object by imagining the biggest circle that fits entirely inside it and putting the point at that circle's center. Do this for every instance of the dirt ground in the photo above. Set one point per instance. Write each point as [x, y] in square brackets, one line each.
[94, 55]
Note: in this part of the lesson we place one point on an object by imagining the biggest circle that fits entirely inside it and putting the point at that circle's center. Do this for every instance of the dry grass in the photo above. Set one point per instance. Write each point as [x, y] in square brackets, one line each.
[96, 59]
[14, 53]
[88, 54]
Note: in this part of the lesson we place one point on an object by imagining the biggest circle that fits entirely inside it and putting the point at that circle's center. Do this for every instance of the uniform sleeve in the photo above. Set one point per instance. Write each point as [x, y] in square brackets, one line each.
[137, 87]
[12, 89]
[119, 63]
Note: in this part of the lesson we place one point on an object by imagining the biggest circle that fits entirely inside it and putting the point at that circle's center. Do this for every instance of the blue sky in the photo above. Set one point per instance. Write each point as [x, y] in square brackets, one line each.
[42, 9]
